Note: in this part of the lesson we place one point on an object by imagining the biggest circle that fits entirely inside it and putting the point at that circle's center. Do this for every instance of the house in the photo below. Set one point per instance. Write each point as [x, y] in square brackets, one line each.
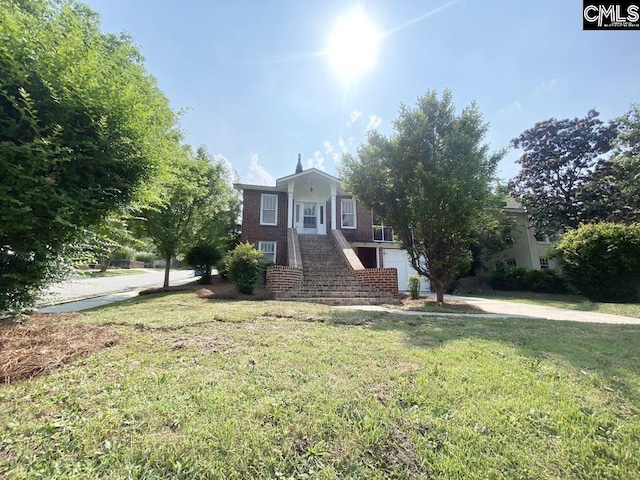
[325, 244]
[529, 250]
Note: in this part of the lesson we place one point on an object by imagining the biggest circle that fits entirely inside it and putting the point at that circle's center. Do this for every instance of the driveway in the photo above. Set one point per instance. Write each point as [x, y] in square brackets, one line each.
[502, 309]
[79, 288]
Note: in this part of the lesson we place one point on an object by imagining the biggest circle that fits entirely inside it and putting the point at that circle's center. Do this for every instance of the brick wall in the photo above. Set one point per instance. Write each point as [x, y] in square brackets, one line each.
[364, 222]
[281, 278]
[253, 232]
[385, 279]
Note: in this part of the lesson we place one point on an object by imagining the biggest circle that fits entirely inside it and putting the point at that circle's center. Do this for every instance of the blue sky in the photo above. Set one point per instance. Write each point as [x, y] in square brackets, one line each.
[259, 91]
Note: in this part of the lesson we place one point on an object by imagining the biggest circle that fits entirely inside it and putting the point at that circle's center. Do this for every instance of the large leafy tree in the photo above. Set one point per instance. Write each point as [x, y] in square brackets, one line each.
[557, 162]
[193, 206]
[612, 192]
[431, 181]
[82, 127]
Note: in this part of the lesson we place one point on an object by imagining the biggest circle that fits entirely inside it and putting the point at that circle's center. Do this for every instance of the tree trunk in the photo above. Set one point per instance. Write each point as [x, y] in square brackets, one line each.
[439, 292]
[167, 267]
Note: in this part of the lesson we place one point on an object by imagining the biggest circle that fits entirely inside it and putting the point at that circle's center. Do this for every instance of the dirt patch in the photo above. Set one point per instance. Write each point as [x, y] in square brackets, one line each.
[449, 306]
[44, 342]
[218, 290]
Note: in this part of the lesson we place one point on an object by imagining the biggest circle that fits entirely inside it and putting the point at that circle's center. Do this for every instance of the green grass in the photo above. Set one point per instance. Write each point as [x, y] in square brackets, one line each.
[573, 302]
[237, 390]
[110, 273]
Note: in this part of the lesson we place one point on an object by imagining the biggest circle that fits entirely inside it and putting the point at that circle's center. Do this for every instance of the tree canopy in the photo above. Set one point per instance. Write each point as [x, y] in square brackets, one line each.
[430, 181]
[556, 165]
[194, 207]
[83, 126]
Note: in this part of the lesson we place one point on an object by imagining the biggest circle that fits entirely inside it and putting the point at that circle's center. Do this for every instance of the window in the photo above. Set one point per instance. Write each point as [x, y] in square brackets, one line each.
[542, 238]
[269, 209]
[381, 232]
[511, 263]
[499, 266]
[348, 213]
[544, 263]
[268, 249]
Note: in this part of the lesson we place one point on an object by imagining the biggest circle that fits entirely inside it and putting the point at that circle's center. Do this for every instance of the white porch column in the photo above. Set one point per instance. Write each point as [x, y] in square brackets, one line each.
[290, 205]
[333, 207]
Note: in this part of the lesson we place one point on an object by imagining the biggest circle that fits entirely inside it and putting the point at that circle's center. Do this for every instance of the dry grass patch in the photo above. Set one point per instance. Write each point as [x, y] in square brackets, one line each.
[47, 341]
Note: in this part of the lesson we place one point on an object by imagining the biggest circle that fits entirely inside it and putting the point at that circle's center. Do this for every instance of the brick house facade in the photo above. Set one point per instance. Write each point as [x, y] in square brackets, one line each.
[312, 202]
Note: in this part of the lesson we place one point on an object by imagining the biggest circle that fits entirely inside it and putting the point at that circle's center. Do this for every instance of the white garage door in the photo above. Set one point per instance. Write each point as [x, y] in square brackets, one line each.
[398, 259]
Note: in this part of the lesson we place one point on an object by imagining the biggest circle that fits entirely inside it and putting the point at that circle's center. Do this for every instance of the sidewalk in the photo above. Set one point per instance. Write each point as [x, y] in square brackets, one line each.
[83, 293]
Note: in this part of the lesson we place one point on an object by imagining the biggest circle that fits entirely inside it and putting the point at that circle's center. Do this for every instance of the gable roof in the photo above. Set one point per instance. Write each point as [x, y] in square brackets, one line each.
[282, 183]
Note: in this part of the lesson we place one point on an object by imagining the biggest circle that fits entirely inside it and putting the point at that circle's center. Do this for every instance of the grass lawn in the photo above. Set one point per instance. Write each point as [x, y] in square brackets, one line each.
[109, 273]
[573, 302]
[237, 390]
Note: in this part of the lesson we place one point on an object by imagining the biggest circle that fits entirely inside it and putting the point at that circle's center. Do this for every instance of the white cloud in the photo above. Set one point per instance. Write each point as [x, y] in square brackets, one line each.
[343, 146]
[317, 161]
[355, 115]
[374, 123]
[328, 148]
[511, 108]
[257, 175]
[232, 174]
[545, 86]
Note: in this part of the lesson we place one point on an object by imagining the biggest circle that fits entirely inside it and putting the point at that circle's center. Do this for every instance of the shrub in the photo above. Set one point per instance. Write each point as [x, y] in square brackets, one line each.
[203, 257]
[124, 253]
[223, 265]
[147, 258]
[602, 261]
[414, 287]
[245, 267]
[525, 280]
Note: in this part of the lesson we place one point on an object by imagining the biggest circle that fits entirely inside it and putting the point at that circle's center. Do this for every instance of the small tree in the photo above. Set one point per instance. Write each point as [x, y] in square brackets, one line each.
[245, 265]
[204, 257]
[431, 182]
[602, 261]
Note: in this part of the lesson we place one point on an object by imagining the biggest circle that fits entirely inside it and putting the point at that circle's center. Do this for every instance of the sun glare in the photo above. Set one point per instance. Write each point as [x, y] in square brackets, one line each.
[353, 45]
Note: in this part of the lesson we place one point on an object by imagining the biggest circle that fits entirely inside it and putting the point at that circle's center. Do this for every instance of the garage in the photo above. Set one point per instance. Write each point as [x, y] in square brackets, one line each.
[398, 259]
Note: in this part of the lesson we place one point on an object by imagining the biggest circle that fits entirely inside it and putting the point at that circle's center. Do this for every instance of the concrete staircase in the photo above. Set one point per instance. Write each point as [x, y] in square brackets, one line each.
[329, 279]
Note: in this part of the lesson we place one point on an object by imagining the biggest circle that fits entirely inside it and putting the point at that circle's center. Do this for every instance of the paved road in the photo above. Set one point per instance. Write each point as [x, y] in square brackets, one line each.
[82, 288]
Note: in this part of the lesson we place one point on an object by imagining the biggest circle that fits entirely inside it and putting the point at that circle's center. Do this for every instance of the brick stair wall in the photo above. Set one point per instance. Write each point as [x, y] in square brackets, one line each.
[328, 278]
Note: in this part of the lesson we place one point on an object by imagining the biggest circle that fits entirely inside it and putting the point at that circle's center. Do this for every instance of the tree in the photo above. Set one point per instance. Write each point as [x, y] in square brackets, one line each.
[82, 128]
[612, 192]
[430, 181]
[192, 197]
[203, 256]
[557, 161]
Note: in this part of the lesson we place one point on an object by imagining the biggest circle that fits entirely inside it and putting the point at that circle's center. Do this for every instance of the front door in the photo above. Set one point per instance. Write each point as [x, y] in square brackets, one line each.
[309, 218]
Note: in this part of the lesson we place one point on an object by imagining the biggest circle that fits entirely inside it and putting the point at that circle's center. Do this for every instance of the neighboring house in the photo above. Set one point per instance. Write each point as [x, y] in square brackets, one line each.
[309, 206]
[529, 251]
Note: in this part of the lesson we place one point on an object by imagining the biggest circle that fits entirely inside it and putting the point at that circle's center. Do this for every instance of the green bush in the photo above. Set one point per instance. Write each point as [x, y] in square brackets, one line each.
[245, 267]
[525, 280]
[602, 261]
[124, 253]
[203, 257]
[147, 258]
[414, 287]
